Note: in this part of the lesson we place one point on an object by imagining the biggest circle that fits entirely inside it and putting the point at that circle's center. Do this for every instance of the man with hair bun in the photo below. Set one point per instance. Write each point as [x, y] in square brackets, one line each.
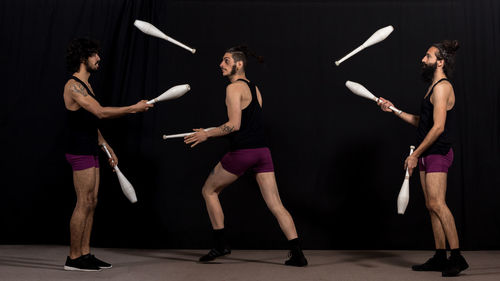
[434, 154]
[248, 151]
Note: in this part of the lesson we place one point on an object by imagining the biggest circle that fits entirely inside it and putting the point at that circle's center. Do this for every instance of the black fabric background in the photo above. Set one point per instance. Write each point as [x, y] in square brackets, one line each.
[338, 158]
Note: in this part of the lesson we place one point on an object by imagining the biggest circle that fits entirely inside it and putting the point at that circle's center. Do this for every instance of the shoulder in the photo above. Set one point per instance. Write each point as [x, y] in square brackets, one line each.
[237, 85]
[236, 88]
[443, 87]
[442, 90]
[75, 87]
[69, 84]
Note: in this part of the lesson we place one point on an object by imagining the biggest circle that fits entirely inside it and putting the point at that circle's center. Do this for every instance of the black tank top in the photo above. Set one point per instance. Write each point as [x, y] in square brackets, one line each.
[443, 143]
[81, 133]
[251, 133]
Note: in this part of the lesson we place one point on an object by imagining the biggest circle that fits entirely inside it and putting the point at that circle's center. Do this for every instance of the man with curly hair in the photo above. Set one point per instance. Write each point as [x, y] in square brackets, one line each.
[82, 146]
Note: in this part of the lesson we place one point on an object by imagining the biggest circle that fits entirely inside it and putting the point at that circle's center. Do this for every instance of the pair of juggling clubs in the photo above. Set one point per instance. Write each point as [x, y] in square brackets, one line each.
[360, 90]
[172, 93]
[404, 194]
[357, 88]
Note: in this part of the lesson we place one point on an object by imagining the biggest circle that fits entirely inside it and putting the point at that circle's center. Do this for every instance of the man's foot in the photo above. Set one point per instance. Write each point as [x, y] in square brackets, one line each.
[432, 264]
[82, 263]
[100, 263]
[296, 258]
[456, 264]
[215, 253]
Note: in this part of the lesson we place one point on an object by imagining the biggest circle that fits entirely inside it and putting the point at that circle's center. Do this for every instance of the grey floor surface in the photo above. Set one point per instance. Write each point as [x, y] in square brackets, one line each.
[45, 262]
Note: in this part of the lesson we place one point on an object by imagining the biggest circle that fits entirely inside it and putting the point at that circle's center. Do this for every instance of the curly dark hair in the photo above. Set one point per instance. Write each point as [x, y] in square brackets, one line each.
[241, 53]
[446, 51]
[78, 51]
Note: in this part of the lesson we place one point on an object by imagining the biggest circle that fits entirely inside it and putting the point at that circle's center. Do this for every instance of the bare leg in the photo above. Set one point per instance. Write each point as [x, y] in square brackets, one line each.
[436, 193]
[215, 183]
[84, 181]
[90, 218]
[437, 228]
[269, 190]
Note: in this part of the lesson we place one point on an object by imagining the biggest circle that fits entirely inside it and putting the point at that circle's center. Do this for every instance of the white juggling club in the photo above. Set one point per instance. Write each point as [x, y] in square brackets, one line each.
[150, 29]
[361, 91]
[184, 134]
[404, 193]
[126, 186]
[172, 93]
[376, 37]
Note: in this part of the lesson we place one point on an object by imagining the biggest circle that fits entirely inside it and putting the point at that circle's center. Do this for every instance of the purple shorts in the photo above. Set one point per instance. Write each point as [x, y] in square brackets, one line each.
[239, 161]
[436, 163]
[82, 162]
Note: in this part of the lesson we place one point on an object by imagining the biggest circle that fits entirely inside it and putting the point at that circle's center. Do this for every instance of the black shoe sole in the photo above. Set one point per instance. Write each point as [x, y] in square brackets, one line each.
[297, 265]
[428, 270]
[301, 263]
[207, 261]
[444, 274]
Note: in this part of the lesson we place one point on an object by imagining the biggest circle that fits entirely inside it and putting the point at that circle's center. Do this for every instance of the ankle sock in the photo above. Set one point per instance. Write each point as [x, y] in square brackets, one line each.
[440, 254]
[294, 244]
[455, 252]
[220, 238]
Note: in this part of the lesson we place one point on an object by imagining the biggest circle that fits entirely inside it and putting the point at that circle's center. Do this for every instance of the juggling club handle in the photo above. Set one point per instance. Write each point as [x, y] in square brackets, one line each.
[107, 152]
[407, 175]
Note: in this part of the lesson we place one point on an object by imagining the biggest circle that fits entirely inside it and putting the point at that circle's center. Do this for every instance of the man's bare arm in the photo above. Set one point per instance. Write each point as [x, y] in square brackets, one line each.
[101, 141]
[233, 104]
[79, 94]
[407, 117]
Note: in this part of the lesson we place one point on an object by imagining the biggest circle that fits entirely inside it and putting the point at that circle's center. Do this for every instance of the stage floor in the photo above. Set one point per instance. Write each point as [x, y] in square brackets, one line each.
[45, 262]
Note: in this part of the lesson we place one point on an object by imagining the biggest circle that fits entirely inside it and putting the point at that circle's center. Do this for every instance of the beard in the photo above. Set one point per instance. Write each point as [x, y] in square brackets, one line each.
[91, 69]
[233, 70]
[428, 71]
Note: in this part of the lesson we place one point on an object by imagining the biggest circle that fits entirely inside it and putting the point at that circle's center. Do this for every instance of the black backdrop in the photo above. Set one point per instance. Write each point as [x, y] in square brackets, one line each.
[338, 158]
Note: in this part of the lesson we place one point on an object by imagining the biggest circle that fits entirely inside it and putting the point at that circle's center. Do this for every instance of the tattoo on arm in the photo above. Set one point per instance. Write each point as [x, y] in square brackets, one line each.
[78, 89]
[226, 129]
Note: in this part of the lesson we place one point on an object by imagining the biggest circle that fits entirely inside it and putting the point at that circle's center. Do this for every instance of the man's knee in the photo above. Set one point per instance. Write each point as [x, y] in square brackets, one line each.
[209, 190]
[87, 202]
[93, 202]
[434, 206]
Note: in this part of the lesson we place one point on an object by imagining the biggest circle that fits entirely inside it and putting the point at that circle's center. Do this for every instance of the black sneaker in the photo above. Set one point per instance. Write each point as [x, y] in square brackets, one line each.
[456, 264]
[296, 258]
[215, 253]
[100, 263]
[432, 264]
[82, 263]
